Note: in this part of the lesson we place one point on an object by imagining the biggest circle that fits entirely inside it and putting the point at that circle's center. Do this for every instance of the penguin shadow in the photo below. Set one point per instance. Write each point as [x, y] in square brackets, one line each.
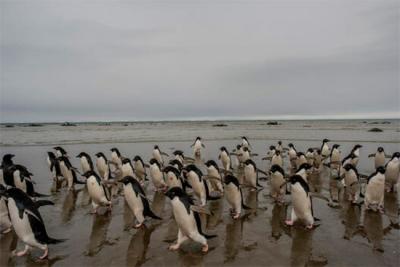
[98, 236]
[8, 243]
[69, 205]
[251, 200]
[128, 217]
[216, 207]
[172, 231]
[301, 249]
[392, 209]
[372, 229]
[278, 217]
[138, 246]
[351, 220]
[233, 237]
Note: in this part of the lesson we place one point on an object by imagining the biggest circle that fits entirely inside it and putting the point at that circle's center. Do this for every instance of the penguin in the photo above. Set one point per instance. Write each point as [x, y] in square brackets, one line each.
[224, 158]
[179, 156]
[245, 142]
[5, 223]
[127, 168]
[277, 183]
[292, 153]
[102, 166]
[197, 145]
[356, 152]
[301, 159]
[302, 171]
[173, 177]
[28, 223]
[198, 184]
[317, 160]
[251, 174]
[325, 151]
[139, 168]
[392, 174]
[279, 147]
[23, 181]
[277, 159]
[157, 176]
[271, 152]
[335, 154]
[116, 157]
[157, 155]
[214, 175]
[234, 195]
[375, 190]
[60, 151]
[310, 156]
[245, 154]
[351, 179]
[379, 157]
[86, 162]
[301, 202]
[188, 221]
[176, 164]
[68, 172]
[8, 169]
[137, 200]
[54, 165]
[238, 152]
[97, 191]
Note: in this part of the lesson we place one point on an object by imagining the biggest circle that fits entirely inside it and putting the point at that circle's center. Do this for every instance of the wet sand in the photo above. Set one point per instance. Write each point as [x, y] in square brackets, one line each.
[260, 238]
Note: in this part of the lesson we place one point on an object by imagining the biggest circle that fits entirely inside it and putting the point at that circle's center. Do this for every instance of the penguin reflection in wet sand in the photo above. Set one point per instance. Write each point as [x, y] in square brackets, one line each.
[27, 222]
[97, 191]
[301, 202]
[234, 196]
[137, 200]
[375, 190]
[188, 220]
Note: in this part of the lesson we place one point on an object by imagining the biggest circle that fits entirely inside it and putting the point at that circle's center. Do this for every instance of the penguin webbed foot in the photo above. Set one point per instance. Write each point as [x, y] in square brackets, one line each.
[45, 254]
[174, 247]
[289, 222]
[204, 249]
[139, 225]
[21, 253]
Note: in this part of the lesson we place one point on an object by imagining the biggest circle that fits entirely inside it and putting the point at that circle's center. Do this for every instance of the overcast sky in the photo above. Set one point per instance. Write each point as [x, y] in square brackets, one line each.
[152, 60]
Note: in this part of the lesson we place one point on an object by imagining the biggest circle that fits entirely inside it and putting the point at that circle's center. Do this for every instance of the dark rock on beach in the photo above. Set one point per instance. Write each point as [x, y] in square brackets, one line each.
[376, 130]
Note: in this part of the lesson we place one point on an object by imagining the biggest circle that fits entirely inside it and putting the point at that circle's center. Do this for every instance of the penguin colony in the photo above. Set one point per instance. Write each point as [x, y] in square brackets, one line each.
[190, 189]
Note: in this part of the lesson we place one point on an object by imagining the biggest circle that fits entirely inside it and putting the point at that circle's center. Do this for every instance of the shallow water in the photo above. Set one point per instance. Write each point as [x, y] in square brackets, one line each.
[258, 239]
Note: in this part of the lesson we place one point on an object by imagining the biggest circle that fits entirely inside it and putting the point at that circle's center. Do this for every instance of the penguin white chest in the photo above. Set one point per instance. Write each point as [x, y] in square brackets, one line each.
[392, 171]
[96, 191]
[126, 170]
[85, 164]
[250, 175]
[233, 196]
[185, 220]
[379, 159]
[134, 202]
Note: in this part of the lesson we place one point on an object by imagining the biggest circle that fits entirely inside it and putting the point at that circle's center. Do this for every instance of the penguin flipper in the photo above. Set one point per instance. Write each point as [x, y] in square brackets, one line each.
[36, 194]
[146, 209]
[40, 203]
[198, 223]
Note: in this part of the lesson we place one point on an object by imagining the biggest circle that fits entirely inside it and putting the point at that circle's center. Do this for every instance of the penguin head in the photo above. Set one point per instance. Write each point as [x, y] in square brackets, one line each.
[271, 148]
[126, 161]
[230, 179]
[211, 163]
[277, 152]
[8, 158]
[295, 179]
[290, 145]
[127, 179]
[250, 162]
[198, 138]
[245, 149]
[222, 148]
[190, 167]
[348, 167]
[88, 174]
[396, 155]
[277, 168]
[177, 163]
[380, 149]
[156, 147]
[310, 150]
[114, 149]
[325, 141]
[175, 192]
[357, 147]
[299, 154]
[137, 158]
[280, 143]
[154, 161]
[238, 147]
[178, 153]
[381, 170]
[304, 166]
[171, 169]
[335, 146]
[82, 154]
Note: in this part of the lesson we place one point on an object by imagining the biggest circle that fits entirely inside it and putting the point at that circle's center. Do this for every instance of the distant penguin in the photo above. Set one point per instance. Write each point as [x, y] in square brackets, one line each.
[225, 158]
[176, 164]
[279, 147]
[325, 151]
[301, 202]
[310, 156]
[214, 175]
[271, 152]
[234, 196]
[245, 142]
[245, 154]
[68, 172]
[54, 165]
[198, 184]
[277, 159]
[356, 152]
[86, 162]
[351, 179]
[375, 190]
[335, 157]
[137, 200]
[60, 151]
[157, 176]
[140, 168]
[197, 146]
[188, 221]
[116, 158]
[5, 223]
[392, 174]
[277, 182]
[97, 191]
[301, 159]
[251, 174]
[379, 157]
[179, 156]
[27, 222]
[292, 153]
[127, 168]
[157, 155]
[173, 177]
[102, 166]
